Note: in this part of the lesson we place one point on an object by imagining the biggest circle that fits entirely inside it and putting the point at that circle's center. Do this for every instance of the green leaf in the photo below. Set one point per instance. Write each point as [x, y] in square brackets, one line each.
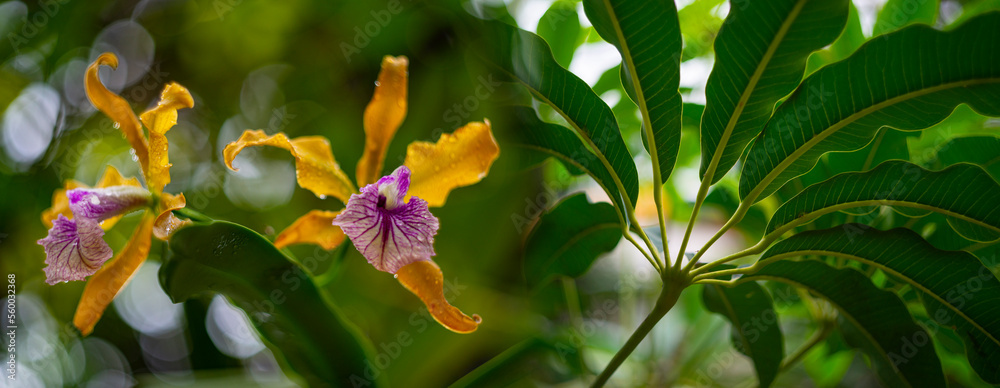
[560, 27]
[910, 80]
[963, 191]
[898, 13]
[981, 150]
[761, 54]
[756, 331]
[524, 58]
[880, 315]
[569, 238]
[555, 140]
[959, 290]
[284, 304]
[648, 36]
[845, 45]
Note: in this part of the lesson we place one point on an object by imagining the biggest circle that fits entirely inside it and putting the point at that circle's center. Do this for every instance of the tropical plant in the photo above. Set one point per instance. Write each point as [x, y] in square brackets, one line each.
[816, 122]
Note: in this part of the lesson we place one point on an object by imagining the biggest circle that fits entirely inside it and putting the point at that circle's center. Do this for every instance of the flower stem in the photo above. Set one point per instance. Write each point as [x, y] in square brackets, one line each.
[668, 297]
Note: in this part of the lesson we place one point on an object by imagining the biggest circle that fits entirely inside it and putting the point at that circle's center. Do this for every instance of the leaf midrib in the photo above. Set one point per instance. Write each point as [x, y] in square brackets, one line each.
[640, 94]
[857, 324]
[872, 202]
[737, 323]
[847, 256]
[751, 86]
[771, 176]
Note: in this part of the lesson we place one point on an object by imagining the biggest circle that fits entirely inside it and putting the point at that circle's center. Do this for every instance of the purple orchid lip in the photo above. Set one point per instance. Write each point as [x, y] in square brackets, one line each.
[389, 232]
[74, 249]
[103, 203]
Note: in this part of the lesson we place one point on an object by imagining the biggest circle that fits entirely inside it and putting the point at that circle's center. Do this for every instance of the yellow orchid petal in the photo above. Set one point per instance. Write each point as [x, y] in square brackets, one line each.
[159, 120]
[424, 278]
[116, 107]
[60, 203]
[111, 278]
[316, 227]
[166, 222]
[383, 116]
[458, 159]
[315, 168]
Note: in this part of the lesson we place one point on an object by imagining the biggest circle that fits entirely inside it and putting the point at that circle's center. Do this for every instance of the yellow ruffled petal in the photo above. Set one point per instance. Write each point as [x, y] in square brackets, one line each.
[458, 159]
[166, 222]
[158, 121]
[116, 107]
[315, 168]
[383, 116]
[111, 278]
[60, 204]
[424, 278]
[316, 227]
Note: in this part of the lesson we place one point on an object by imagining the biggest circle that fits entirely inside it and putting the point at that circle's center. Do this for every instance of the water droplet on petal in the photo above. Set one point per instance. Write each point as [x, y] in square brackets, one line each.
[477, 318]
[378, 83]
[395, 276]
[116, 125]
[322, 196]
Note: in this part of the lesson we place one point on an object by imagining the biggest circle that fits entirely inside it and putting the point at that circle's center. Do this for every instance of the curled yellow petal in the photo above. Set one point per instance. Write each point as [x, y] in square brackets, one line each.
[104, 285]
[166, 222]
[384, 114]
[60, 203]
[458, 159]
[159, 120]
[116, 107]
[316, 227]
[315, 168]
[424, 278]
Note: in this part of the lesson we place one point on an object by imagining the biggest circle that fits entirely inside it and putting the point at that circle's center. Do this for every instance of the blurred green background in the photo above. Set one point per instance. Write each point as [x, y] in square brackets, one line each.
[308, 68]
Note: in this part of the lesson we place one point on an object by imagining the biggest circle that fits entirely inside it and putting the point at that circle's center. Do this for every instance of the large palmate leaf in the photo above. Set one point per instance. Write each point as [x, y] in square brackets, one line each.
[568, 239]
[910, 80]
[756, 331]
[648, 36]
[958, 289]
[981, 150]
[555, 140]
[524, 58]
[880, 315]
[283, 303]
[761, 53]
[963, 191]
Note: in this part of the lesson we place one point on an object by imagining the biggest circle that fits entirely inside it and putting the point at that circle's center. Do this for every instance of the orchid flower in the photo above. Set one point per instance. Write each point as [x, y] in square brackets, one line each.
[74, 247]
[389, 220]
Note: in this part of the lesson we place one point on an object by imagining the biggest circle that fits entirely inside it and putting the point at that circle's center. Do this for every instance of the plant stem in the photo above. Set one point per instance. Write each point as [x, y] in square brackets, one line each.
[744, 253]
[668, 297]
[628, 236]
[816, 338]
[735, 219]
[702, 193]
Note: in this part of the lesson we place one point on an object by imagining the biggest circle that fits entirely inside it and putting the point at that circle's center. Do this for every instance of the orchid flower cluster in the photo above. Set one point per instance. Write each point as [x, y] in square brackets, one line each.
[74, 247]
[388, 220]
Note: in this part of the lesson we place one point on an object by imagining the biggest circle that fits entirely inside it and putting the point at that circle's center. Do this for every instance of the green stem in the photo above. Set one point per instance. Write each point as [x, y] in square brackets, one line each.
[799, 354]
[702, 193]
[668, 297]
[735, 219]
[744, 253]
[628, 236]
